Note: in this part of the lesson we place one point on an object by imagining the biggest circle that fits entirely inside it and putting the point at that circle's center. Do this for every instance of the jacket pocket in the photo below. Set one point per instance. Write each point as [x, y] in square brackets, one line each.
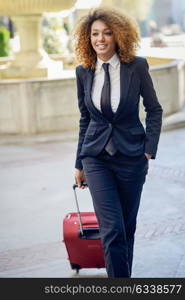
[137, 131]
[90, 131]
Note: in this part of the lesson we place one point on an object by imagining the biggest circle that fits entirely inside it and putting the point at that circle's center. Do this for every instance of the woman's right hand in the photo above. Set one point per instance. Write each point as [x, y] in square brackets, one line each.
[79, 178]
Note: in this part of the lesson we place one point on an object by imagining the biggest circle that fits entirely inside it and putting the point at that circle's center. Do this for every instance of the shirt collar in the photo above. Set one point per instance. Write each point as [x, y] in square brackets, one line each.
[113, 61]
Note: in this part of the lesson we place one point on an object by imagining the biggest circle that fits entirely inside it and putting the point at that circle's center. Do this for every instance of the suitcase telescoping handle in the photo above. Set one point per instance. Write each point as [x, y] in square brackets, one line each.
[77, 206]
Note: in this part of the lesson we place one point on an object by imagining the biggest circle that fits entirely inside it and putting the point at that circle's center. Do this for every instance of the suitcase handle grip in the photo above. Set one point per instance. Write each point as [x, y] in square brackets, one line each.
[76, 185]
[77, 206]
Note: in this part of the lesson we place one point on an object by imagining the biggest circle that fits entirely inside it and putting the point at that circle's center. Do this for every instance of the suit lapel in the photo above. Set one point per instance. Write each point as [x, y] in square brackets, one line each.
[125, 79]
[90, 76]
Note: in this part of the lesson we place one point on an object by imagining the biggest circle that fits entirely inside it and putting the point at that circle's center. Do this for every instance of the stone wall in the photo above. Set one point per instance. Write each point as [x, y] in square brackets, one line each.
[32, 106]
[169, 83]
[37, 106]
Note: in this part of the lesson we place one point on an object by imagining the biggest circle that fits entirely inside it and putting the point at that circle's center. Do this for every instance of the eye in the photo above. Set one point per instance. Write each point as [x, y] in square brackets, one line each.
[108, 33]
[94, 33]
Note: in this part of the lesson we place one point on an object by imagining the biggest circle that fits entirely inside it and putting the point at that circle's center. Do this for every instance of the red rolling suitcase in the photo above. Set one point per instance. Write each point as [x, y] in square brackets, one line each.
[82, 239]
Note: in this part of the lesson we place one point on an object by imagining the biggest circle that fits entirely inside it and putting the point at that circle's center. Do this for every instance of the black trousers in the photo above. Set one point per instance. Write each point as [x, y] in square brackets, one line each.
[116, 183]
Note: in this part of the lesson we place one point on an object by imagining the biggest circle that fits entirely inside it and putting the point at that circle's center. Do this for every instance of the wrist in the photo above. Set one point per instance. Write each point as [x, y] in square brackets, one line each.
[77, 169]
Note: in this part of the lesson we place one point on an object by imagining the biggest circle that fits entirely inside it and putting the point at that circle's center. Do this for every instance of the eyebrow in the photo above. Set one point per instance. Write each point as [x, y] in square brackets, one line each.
[100, 30]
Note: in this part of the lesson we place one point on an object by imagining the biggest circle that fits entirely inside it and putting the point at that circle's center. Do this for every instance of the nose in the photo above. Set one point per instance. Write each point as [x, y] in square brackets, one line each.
[101, 37]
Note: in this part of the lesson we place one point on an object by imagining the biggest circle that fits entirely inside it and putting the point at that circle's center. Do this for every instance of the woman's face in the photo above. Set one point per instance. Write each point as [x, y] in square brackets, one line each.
[102, 40]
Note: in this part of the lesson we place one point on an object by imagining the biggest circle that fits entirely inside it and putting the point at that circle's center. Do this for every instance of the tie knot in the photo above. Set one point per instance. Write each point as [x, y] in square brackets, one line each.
[105, 67]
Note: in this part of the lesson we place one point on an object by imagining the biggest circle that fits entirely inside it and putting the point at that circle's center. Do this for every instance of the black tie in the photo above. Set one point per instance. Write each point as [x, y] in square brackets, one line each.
[106, 105]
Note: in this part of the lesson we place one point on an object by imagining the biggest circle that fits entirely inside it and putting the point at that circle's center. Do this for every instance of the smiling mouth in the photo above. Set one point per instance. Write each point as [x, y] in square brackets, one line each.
[101, 47]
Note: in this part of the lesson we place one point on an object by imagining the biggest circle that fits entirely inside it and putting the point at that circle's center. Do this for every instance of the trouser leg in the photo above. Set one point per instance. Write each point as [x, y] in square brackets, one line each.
[130, 177]
[106, 200]
[130, 199]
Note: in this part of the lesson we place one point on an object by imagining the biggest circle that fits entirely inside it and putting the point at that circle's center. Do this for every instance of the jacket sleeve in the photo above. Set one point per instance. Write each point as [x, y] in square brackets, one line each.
[84, 117]
[153, 110]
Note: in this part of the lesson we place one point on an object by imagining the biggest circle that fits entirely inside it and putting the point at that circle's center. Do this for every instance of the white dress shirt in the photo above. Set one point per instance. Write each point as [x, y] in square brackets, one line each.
[114, 71]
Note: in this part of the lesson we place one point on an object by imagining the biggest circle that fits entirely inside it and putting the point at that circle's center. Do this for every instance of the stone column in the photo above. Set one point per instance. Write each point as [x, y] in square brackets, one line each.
[31, 60]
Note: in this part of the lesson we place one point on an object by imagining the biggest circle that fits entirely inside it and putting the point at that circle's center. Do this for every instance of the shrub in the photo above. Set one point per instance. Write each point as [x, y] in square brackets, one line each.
[4, 42]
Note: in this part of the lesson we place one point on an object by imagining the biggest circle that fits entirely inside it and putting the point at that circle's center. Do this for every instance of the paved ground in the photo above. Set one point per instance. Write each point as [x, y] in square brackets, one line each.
[36, 194]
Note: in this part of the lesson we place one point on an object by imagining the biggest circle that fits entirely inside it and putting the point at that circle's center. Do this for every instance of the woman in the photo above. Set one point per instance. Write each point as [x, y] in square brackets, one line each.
[113, 148]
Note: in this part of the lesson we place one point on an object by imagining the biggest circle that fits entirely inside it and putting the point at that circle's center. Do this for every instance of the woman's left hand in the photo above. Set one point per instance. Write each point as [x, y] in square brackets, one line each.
[148, 156]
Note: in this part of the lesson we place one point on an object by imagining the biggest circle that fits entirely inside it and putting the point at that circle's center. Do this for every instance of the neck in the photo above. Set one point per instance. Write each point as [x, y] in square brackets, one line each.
[105, 58]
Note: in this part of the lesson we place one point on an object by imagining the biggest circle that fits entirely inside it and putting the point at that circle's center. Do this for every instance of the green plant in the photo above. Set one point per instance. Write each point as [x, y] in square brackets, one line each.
[4, 41]
[55, 37]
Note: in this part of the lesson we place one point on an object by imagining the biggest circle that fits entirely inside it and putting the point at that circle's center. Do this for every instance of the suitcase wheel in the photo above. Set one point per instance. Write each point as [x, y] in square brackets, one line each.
[75, 267]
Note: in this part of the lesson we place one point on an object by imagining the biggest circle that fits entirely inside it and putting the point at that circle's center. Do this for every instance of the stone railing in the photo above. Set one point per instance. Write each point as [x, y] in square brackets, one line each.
[32, 106]
[169, 83]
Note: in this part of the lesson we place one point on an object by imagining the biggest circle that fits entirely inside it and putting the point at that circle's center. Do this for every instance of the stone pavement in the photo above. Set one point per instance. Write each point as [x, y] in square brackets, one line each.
[36, 193]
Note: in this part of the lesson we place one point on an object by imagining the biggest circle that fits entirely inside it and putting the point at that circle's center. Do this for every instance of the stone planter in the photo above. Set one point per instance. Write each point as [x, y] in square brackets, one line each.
[31, 60]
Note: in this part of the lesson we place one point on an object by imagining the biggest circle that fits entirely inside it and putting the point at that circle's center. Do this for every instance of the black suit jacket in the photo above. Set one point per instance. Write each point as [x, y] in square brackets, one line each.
[128, 133]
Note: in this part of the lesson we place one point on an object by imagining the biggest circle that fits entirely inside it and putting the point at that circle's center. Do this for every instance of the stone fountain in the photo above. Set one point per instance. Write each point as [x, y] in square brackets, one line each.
[31, 61]
[33, 104]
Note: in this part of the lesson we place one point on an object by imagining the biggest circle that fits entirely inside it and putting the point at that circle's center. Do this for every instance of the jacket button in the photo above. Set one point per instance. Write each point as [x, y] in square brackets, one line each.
[110, 125]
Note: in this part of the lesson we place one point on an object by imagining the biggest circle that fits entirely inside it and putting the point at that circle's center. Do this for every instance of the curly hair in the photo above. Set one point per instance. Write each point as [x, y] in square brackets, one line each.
[125, 30]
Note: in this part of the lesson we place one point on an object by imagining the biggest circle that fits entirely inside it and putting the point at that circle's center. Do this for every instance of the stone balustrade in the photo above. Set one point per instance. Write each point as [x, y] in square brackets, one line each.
[36, 105]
